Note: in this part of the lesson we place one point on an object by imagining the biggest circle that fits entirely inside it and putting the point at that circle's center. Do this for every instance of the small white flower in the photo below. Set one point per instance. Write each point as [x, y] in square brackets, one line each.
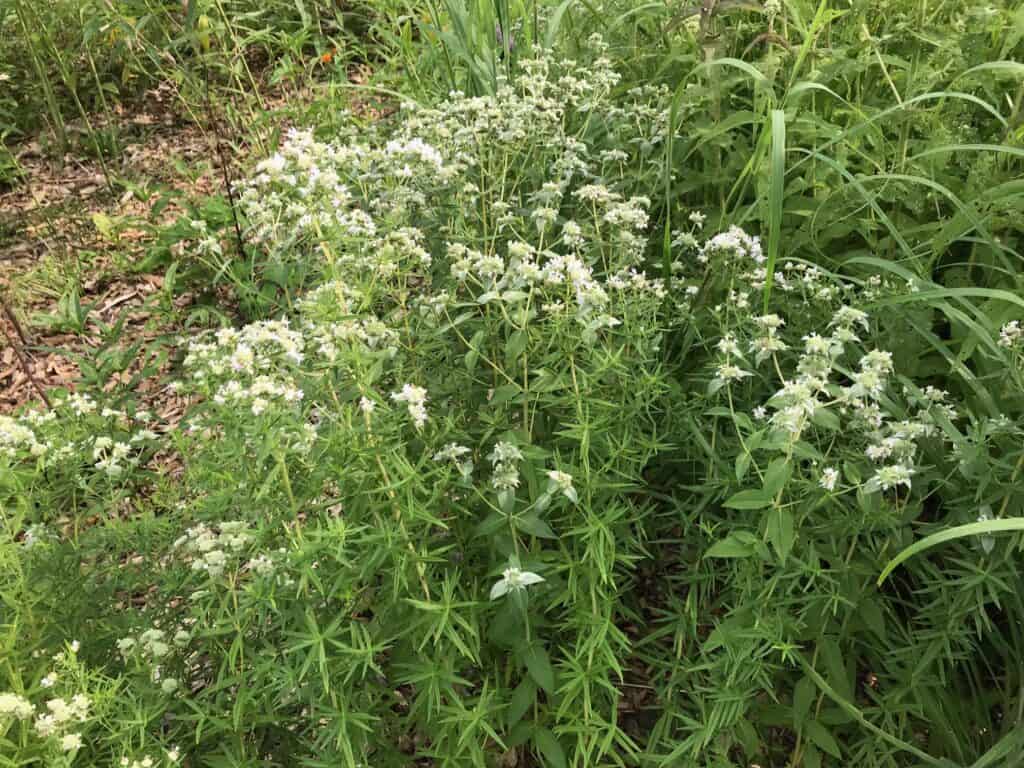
[366, 405]
[514, 580]
[829, 476]
[890, 477]
[70, 742]
[504, 459]
[562, 481]
[729, 372]
[1010, 334]
[727, 345]
[415, 399]
[817, 345]
[770, 323]
[847, 317]
[878, 452]
[451, 452]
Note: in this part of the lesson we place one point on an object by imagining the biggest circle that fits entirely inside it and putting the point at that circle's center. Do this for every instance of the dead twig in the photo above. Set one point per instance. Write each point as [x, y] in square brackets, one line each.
[215, 125]
[14, 323]
[18, 345]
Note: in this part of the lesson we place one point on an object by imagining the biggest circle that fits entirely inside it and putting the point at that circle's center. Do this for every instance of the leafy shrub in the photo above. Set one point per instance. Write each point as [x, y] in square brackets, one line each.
[493, 491]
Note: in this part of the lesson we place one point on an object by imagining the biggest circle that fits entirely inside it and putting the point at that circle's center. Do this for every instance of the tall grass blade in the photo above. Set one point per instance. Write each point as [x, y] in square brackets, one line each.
[984, 528]
[776, 187]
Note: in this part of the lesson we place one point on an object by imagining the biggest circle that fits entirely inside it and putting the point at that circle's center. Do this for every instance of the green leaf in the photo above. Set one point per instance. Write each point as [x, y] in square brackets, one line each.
[821, 738]
[743, 66]
[554, 22]
[872, 617]
[539, 666]
[737, 544]
[832, 657]
[534, 526]
[803, 698]
[781, 532]
[549, 748]
[491, 524]
[474, 350]
[742, 465]
[754, 499]
[104, 225]
[521, 733]
[522, 699]
[776, 476]
[851, 710]
[825, 419]
[515, 345]
[504, 393]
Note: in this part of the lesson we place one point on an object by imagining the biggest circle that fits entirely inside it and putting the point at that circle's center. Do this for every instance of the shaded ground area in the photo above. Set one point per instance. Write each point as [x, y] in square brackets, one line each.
[73, 236]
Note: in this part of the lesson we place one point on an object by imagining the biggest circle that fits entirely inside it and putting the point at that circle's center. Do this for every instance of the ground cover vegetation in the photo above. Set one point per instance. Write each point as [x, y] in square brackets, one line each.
[526, 384]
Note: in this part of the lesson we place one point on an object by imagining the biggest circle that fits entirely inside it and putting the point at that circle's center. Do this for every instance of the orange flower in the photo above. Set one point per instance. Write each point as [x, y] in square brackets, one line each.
[328, 56]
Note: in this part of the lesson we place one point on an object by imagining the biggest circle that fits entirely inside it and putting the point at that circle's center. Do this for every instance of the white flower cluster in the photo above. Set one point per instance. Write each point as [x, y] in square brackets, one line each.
[13, 705]
[803, 399]
[335, 298]
[364, 333]
[829, 478]
[415, 399]
[561, 482]
[213, 549]
[319, 175]
[17, 437]
[255, 348]
[736, 253]
[261, 393]
[505, 458]
[59, 715]
[173, 755]
[530, 110]
[1011, 335]
[82, 405]
[514, 579]
[455, 454]
[732, 246]
[110, 455]
[251, 366]
[257, 367]
[153, 644]
[562, 280]
[62, 714]
[56, 436]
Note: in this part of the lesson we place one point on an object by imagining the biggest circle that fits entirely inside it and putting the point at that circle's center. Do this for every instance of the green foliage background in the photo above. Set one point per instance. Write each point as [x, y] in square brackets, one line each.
[705, 601]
